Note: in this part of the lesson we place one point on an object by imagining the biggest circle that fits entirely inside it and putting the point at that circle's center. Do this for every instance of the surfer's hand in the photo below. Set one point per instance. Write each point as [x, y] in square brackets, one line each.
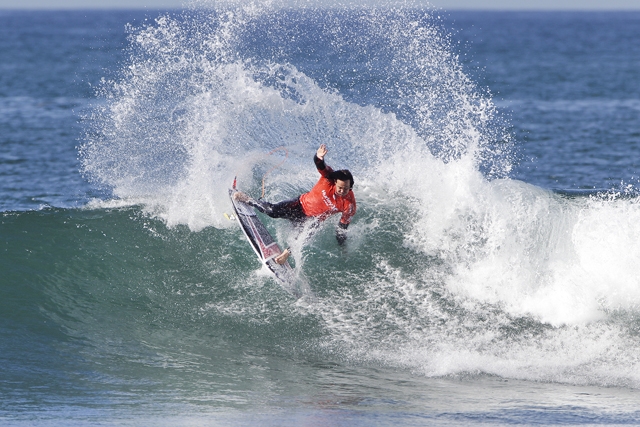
[322, 151]
[341, 233]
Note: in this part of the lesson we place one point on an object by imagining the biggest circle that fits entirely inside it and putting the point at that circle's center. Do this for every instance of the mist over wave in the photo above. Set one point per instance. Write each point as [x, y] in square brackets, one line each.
[203, 88]
[451, 267]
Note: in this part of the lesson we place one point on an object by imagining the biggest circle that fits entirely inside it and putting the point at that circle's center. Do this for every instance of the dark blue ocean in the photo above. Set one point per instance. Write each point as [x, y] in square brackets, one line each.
[491, 275]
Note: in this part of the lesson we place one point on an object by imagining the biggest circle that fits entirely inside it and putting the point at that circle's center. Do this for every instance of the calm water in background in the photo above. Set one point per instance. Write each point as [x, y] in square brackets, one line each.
[569, 83]
[126, 299]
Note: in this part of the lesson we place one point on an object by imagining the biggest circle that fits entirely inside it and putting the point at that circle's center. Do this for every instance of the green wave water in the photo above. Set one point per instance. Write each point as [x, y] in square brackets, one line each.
[107, 312]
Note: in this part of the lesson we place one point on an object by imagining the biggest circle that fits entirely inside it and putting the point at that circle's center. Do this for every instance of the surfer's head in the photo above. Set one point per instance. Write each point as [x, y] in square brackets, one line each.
[343, 181]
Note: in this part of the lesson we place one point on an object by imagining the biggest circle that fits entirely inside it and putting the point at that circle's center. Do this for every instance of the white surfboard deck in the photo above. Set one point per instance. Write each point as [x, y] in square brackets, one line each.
[264, 245]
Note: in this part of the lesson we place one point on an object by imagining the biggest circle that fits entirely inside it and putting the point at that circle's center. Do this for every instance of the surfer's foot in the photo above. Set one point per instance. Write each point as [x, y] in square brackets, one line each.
[282, 258]
[241, 197]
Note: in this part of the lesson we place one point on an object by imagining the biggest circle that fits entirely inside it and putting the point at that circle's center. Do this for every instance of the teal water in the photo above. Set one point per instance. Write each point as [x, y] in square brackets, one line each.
[490, 275]
[181, 333]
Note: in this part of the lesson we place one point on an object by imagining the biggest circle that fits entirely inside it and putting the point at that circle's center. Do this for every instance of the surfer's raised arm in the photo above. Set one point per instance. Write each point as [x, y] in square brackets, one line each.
[322, 151]
[318, 159]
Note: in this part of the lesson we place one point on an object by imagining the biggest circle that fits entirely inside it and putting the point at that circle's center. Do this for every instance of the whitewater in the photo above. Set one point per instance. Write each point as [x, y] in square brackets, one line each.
[208, 115]
[457, 277]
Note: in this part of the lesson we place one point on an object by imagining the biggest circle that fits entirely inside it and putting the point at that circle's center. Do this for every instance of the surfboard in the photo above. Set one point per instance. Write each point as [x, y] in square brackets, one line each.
[263, 243]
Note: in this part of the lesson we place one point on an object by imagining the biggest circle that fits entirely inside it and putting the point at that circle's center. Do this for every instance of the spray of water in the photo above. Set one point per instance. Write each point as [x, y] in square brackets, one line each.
[465, 270]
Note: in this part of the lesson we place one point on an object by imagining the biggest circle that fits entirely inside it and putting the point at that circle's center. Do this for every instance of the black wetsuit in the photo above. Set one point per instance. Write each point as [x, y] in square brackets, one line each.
[289, 209]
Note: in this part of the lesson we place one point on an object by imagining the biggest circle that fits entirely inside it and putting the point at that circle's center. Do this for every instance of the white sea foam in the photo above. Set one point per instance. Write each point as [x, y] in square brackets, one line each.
[513, 279]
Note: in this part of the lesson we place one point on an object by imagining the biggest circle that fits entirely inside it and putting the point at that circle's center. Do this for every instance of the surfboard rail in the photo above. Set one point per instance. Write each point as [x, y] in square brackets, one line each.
[263, 243]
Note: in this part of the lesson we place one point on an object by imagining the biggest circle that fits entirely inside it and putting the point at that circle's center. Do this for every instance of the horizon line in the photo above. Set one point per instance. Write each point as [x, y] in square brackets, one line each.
[432, 8]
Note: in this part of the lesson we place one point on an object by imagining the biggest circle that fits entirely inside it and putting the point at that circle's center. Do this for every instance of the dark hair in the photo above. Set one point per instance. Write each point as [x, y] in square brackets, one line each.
[342, 175]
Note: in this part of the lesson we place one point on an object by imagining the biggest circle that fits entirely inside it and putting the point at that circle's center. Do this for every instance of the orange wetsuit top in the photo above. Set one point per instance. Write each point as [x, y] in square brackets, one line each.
[322, 201]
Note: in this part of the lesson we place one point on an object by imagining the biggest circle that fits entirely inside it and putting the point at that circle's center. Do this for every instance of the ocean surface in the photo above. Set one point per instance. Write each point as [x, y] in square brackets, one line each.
[491, 275]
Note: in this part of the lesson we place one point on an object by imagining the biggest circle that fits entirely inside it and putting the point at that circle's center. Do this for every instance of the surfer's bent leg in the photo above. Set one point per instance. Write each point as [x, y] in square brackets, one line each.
[289, 209]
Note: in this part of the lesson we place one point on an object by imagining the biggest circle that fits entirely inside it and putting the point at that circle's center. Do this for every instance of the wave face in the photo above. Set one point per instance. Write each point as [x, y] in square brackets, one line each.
[451, 268]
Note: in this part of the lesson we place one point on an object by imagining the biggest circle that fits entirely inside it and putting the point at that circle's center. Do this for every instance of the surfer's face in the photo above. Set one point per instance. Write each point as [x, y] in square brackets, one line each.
[342, 187]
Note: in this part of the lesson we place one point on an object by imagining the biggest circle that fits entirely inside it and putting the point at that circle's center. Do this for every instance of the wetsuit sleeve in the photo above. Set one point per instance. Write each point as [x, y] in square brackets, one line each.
[322, 166]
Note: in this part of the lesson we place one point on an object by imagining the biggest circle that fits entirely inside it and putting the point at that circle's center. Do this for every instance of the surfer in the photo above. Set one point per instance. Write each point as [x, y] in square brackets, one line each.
[332, 194]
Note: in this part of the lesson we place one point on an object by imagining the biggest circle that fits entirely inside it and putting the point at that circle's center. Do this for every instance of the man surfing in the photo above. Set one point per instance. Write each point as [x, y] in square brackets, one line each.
[332, 194]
